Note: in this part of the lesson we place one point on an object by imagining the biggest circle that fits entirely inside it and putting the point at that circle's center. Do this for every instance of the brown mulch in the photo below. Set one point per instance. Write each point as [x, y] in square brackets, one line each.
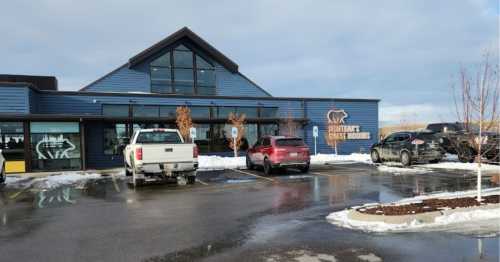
[429, 205]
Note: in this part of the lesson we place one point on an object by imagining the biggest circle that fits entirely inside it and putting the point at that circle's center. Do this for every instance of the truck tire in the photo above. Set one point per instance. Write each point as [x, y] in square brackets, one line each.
[405, 158]
[375, 157]
[137, 181]
[191, 180]
[127, 172]
[466, 155]
[2, 175]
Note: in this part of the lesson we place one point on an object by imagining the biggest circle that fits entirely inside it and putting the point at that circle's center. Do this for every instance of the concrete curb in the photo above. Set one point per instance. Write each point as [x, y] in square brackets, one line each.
[428, 217]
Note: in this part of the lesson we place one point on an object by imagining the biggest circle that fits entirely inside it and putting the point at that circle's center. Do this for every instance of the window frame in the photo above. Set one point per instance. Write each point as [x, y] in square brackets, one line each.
[194, 71]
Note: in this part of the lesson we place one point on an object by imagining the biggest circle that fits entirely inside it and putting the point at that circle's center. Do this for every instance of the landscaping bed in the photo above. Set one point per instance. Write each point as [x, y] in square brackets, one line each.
[428, 205]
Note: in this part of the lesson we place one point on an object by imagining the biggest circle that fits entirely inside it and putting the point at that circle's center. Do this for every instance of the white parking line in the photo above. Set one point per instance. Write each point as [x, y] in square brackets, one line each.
[250, 174]
[201, 182]
[319, 174]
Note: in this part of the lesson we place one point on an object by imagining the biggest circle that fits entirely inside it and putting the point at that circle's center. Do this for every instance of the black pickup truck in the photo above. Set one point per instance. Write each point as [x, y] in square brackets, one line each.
[455, 138]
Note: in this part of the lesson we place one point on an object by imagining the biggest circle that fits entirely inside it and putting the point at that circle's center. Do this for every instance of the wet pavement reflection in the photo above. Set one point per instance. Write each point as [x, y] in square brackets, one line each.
[231, 215]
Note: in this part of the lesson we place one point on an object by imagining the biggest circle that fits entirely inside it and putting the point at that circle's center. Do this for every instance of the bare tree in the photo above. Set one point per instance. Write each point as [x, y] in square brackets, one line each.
[239, 123]
[184, 121]
[476, 107]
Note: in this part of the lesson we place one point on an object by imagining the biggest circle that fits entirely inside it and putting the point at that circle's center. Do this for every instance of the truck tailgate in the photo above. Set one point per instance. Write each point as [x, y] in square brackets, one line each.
[167, 153]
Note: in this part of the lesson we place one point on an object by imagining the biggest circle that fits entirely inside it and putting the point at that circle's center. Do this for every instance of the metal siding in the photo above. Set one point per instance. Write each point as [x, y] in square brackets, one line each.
[123, 80]
[14, 100]
[33, 101]
[233, 84]
[364, 114]
[137, 79]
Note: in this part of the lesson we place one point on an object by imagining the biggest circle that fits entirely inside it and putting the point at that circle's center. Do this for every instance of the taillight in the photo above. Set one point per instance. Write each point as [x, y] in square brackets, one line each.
[195, 152]
[138, 153]
[417, 142]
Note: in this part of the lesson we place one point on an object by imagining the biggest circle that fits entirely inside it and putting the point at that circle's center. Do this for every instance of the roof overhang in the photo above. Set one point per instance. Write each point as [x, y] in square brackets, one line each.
[195, 39]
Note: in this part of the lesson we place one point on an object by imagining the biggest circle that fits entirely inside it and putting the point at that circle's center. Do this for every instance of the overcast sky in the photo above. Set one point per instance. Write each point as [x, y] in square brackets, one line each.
[405, 53]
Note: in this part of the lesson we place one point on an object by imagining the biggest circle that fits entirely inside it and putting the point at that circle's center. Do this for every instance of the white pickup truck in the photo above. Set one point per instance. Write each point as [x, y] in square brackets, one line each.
[154, 154]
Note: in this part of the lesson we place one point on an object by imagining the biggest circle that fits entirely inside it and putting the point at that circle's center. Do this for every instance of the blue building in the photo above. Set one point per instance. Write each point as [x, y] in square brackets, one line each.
[42, 128]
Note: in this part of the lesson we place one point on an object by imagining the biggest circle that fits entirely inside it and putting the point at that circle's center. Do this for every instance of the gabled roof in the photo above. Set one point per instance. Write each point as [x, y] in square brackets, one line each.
[185, 33]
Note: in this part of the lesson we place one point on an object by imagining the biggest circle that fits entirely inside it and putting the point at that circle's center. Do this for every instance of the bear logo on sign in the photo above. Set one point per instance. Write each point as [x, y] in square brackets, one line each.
[336, 116]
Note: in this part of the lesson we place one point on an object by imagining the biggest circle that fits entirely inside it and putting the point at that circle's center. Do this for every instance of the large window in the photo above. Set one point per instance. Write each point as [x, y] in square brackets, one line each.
[115, 110]
[181, 71]
[250, 112]
[55, 146]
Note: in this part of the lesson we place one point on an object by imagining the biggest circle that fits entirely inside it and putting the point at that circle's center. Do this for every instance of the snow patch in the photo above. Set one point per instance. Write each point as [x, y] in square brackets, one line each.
[322, 159]
[462, 166]
[62, 179]
[219, 162]
[399, 170]
[370, 258]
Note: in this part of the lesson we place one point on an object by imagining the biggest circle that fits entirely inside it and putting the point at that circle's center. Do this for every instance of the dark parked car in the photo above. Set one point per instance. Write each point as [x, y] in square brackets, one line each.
[272, 152]
[408, 148]
[455, 138]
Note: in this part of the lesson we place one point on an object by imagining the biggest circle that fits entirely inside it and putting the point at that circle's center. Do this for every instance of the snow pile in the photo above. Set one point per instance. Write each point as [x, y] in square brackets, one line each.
[219, 162]
[477, 215]
[321, 159]
[447, 195]
[54, 180]
[462, 166]
[68, 178]
[398, 169]
[486, 218]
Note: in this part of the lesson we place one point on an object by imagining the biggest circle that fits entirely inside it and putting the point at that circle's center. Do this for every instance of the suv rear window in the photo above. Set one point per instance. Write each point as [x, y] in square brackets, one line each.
[289, 142]
[158, 137]
[425, 136]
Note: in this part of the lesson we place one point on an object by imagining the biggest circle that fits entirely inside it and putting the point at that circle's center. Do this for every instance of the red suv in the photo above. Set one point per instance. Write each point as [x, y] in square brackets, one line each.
[279, 151]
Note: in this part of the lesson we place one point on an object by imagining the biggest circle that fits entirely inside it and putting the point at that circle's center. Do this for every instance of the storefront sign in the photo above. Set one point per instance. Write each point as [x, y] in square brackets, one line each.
[315, 131]
[338, 130]
[234, 132]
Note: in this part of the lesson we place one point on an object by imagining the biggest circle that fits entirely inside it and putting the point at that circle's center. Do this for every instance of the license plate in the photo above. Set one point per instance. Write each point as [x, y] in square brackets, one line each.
[294, 154]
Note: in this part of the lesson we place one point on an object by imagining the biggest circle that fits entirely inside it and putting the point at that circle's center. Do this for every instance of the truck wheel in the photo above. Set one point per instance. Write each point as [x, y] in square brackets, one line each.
[268, 169]
[138, 182]
[466, 155]
[405, 158]
[127, 172]
[2, 174]
[375, 156]
[191, 180]
[494, 158]
[250, 165]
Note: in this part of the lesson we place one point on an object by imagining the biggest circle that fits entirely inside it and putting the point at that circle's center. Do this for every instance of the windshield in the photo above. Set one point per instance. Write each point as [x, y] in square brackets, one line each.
[158, 137]
[289, 142]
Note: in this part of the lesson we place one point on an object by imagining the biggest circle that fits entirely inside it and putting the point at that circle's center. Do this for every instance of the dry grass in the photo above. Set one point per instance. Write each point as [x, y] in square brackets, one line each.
[384, 131]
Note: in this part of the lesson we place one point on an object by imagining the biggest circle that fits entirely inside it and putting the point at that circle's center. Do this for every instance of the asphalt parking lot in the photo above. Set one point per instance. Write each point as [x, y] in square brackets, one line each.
[230, 215]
